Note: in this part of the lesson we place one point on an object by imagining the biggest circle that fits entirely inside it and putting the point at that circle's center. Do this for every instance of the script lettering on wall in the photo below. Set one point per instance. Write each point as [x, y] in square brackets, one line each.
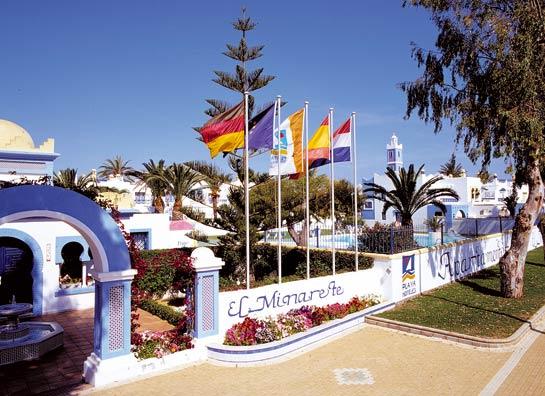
[246, 305]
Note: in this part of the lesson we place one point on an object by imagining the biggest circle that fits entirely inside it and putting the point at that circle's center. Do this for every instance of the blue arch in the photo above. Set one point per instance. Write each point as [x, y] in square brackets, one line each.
[89, 219]
[37, 268]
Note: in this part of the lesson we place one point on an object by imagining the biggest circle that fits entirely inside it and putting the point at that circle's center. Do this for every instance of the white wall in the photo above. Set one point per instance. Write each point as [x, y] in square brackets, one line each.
[272, 300]
[433, 267]
[45, 233]
[158, 226]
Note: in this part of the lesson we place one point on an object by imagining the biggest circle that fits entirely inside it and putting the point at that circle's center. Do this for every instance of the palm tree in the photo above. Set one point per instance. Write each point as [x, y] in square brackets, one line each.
[452, 168]
[406, 197]
[116, 167]
[214, 177]
[155, 184]
[179, 180]
[68, 178]
[84, 184]
[511, 202]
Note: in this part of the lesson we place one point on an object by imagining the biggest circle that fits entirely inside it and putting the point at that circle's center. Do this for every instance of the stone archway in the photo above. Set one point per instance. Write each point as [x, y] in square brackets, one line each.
[113, 273]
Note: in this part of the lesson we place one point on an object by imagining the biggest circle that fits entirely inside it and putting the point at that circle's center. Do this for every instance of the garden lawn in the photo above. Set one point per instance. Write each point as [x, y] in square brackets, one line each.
[473, 305]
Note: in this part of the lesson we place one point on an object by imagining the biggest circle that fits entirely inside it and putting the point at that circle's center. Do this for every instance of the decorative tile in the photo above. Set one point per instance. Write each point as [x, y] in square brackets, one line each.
[353, 376]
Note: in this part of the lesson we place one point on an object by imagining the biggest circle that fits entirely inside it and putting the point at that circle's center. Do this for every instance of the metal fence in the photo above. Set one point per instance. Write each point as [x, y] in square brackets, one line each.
[474, 227]
[386, 239]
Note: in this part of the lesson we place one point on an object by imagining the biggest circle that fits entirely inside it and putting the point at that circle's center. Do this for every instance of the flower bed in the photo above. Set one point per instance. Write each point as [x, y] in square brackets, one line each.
[260, 331]
[156, 344]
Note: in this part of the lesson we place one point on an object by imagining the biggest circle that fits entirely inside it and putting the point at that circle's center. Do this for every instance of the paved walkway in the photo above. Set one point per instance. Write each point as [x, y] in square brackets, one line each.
[59, 372]
[370, 361]
[527, 375]
[390, 362]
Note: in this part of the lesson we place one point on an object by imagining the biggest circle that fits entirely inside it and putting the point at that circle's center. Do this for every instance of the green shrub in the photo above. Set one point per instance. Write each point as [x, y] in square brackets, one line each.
[163, 270]
[162, 311]
[147, 350]
[294, 264]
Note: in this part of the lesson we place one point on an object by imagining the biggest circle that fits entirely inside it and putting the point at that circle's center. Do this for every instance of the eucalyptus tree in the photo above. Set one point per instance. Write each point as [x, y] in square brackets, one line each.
[263, 201]
[406, 197]
[486, 76]
[452, 168]
[214, 177]
[179, 179]
[116, 167]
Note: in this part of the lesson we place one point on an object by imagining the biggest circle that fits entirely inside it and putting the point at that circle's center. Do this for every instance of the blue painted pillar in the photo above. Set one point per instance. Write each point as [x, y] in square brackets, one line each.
[112, 359]
[112, 329]
[206, 292]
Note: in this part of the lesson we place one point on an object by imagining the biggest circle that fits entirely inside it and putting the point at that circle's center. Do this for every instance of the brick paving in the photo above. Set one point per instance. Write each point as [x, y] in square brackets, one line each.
[399, 364]
[527, 377]
[60, 372]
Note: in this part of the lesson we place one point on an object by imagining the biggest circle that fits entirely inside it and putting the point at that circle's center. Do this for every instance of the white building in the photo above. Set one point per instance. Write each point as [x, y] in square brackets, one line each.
[51, 259]
[477, 199]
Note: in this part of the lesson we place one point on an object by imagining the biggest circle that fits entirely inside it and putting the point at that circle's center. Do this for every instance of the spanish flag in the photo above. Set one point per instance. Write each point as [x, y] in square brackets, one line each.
[319, 146]
[225, 132]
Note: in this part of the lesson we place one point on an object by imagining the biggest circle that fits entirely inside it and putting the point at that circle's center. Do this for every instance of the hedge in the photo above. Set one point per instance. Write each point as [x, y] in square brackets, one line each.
[264, 264]
[162, 311]
[161, 270]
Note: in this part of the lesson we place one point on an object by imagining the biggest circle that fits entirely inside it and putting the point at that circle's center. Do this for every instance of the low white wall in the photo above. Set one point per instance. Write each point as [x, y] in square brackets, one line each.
[393, 277]
[437, 266]
[272, 300]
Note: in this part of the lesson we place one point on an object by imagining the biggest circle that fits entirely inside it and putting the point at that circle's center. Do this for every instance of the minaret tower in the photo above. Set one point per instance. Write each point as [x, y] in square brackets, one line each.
[394, 154]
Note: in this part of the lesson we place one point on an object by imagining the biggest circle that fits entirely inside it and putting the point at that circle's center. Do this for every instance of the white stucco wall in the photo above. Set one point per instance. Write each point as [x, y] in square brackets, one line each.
[45, 232]
[433, 267]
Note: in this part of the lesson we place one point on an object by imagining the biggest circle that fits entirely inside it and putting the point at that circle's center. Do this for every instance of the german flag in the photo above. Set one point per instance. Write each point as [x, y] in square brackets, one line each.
[225, 132]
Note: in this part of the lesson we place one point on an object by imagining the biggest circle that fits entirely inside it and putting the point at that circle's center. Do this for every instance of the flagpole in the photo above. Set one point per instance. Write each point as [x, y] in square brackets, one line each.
[307, 209]
[246, 190]
[332, 161]
[355, 160]
[279, 188]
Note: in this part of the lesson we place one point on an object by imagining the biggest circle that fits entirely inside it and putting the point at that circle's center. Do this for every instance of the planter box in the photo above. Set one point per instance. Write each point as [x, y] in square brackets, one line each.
[269, 352]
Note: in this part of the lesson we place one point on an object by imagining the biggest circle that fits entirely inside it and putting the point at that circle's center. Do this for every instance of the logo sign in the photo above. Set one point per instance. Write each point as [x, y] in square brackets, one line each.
[408, 276]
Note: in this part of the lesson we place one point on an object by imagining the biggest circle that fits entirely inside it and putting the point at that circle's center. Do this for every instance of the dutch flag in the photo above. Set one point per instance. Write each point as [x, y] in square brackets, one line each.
[342, 142]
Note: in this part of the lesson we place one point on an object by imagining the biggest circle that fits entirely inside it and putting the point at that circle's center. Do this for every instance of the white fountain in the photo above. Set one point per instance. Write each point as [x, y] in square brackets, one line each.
[27, 340]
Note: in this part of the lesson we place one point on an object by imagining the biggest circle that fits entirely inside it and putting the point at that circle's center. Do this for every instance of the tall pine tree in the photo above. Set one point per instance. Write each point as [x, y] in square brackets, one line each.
[242, 79]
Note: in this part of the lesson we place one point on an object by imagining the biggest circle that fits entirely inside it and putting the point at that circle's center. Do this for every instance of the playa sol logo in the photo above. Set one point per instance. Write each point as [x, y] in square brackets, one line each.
[408, 268]
[408, 276]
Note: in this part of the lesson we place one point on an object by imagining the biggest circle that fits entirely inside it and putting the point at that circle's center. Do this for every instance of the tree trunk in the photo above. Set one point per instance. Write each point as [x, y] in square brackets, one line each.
[300, 238]
[177, 210]
[214, 196]
[513, 261]
[541, 226]
[158, 204]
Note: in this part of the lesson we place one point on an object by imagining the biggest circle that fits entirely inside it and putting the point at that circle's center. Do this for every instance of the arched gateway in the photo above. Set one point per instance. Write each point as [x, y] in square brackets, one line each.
[113, 273]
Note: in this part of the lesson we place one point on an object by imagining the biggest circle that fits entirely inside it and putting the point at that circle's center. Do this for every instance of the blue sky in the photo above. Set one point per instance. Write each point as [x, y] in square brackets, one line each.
[130, 77]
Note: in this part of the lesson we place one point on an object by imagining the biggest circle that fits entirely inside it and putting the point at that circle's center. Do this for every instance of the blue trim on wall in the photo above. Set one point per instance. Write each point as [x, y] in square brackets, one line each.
[148, 231]
[102, 319]
[29, 156]
[75, 290]
[63, 203]
[198, 331]
[37, 267]
[63, 240]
